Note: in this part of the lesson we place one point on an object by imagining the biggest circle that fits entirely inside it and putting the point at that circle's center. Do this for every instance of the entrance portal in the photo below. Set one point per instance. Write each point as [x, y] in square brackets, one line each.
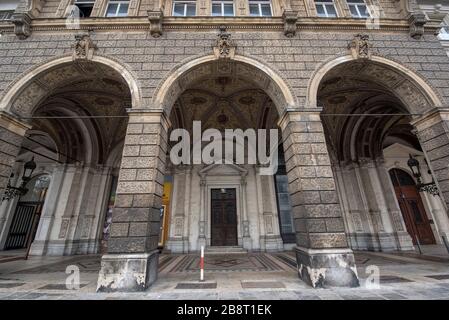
[224, 217]
[415, 217]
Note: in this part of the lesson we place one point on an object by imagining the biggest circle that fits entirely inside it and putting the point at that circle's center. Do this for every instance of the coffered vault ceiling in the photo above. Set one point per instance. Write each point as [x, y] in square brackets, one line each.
[364, 110]
[224, 102]
[93, 96]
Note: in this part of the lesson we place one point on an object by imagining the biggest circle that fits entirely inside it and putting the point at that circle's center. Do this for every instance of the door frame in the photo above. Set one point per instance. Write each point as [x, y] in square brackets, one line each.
[208, 222]
[409, 215]
[236, 216]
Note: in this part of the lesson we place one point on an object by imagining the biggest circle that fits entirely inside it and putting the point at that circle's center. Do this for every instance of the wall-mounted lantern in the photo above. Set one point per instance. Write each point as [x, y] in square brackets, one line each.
[13, 192]
[430, 187]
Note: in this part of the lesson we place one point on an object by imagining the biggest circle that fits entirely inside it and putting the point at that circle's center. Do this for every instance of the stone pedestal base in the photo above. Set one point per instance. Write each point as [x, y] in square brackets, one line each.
[178, 245]
[247, 243]
[127, 272]
[327, 267]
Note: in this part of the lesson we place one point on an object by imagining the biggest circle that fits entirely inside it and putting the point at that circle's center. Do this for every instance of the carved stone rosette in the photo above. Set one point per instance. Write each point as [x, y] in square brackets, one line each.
[360, 47]
[83, 48]
[290, 18]
[155, 18]
[416, 21]
[22, 25]
[224, 46]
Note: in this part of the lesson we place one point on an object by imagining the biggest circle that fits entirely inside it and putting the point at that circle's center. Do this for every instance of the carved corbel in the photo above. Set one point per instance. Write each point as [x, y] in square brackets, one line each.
[83, 48]
[360, 47]
[416, 21]
[224, 46]
[290, 18]
[22, 25]
[155, 17]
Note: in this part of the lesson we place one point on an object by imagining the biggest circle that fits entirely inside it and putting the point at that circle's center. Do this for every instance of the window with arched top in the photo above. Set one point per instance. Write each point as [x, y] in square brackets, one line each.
[401, 178]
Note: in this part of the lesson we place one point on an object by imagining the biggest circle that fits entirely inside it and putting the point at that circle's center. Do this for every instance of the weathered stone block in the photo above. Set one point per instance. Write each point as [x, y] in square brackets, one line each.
[137, 229]
[119, 229]
[327, 240]
[127, 272]
[327, 268]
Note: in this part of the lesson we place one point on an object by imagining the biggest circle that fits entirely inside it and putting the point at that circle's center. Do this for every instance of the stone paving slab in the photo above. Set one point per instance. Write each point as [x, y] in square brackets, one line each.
[422, 282]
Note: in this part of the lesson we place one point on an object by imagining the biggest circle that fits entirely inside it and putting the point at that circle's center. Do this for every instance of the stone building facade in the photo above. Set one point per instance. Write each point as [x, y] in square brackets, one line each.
[95, 100]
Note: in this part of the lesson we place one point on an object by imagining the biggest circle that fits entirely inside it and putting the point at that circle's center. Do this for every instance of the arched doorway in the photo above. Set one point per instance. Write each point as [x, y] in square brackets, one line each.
[225, 204]
[27, 214]
[368, 106]
[412, 208]
[80, 106]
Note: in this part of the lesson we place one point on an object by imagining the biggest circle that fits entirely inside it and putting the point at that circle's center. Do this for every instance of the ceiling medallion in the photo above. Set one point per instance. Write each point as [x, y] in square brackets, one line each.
[104, 101]
[247, 100]
[198, 100]
[222, 118]
[223, 82]
[337, 100]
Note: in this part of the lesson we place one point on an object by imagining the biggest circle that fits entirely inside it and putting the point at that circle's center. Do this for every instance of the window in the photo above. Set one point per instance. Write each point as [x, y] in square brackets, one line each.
[117, 8]
[85, 7]
[260, 8]
[7, 8]
[325, 8]
[184, 8]
[358, 8]
[222, 8]
[5, 15]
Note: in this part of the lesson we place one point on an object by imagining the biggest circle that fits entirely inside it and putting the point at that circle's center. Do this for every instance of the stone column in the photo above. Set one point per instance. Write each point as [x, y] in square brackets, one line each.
[403, 239]
[433, 133]
[247, 244]
[323, 256]
[132, 259]
[11, 136]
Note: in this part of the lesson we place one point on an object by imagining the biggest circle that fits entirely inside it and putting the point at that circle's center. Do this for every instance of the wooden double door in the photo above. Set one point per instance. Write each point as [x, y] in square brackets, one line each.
[412, 208]
[223, 217]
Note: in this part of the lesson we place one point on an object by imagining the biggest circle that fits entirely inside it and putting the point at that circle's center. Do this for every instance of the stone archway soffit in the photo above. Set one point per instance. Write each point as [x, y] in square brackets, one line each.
[427, 94]
[12, 92]
[169, 89]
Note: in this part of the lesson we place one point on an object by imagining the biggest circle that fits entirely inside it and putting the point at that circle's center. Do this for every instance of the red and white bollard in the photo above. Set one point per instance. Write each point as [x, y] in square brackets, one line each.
[202, 264]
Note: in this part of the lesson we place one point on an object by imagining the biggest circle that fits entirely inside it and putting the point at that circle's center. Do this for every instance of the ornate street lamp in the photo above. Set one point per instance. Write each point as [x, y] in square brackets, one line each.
[430, 187]
[13, 192]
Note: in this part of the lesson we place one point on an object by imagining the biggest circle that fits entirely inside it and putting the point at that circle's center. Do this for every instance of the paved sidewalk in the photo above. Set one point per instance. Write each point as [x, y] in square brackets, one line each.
[248, 277]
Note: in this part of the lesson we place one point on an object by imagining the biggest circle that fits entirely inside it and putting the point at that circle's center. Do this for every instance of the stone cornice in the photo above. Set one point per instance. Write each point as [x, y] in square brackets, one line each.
[212, 23]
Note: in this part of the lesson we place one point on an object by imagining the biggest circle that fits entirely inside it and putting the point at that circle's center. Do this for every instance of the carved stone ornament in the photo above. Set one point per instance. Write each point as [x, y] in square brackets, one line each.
[360, 47]
[155, 17]
[22, 25]
[290, 18]
[224, 47]
[83, 48]
[416, 21]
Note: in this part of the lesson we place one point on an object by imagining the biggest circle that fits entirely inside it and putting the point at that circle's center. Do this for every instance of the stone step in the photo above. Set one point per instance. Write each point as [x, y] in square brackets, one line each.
[221, 250]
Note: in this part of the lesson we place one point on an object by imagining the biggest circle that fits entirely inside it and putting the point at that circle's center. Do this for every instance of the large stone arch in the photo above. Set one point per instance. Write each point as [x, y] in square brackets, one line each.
[415, 91]
[187, 72]
[26, 89]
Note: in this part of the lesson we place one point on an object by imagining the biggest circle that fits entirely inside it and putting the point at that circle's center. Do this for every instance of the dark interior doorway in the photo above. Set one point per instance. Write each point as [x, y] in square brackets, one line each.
[224, 217]
[412, 208]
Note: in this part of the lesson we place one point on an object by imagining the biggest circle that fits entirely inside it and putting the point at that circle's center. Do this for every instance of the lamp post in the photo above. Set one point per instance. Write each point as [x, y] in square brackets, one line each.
[13, 192]
[430, 187]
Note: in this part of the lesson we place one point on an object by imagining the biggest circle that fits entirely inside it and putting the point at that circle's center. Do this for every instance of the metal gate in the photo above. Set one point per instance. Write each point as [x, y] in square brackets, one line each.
[22, 226]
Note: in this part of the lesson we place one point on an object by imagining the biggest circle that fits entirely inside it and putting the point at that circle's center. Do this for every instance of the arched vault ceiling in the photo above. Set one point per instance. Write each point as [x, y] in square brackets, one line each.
[365, 108]
[224, 103]
[70, 78]
[92, 95]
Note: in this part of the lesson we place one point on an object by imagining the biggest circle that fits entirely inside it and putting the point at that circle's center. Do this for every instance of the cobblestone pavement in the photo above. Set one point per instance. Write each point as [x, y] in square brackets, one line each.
[401, 277]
